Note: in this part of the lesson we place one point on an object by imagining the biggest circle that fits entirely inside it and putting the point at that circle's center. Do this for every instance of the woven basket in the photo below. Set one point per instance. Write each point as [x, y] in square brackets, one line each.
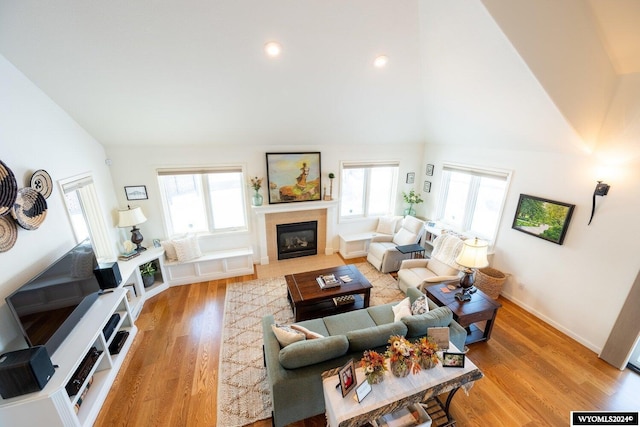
[490, 281]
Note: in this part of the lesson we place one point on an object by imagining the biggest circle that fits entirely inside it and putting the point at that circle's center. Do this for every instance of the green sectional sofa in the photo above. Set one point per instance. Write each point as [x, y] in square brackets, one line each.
[294, 372]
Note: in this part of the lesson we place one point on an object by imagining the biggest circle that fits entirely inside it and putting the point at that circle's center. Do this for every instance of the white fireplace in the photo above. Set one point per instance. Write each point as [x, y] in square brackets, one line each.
[268, 216]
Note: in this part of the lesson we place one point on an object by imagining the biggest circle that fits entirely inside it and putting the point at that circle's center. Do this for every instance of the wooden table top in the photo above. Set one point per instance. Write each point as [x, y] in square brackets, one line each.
[304, 288]
[479, 300]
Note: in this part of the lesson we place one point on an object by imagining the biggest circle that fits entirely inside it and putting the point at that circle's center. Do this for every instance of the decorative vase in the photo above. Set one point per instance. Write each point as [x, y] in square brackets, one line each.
[426, 362]
[256, 199]
[399, 369]
[375, 377]
[148, 280]
[410, 211]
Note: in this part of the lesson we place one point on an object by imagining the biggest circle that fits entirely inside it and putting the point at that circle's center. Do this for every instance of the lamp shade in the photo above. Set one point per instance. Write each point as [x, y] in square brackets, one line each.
[473, 254]
[131, 217]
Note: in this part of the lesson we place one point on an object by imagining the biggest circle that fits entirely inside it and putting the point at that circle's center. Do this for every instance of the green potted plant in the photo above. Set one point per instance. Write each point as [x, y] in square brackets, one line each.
[147, 272]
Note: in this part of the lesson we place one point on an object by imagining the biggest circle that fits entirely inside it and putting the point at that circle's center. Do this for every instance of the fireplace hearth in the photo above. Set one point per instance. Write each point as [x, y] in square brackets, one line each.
[297, 240]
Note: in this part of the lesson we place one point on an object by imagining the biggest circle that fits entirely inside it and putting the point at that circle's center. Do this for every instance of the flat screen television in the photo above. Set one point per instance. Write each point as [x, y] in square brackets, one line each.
[50, 305]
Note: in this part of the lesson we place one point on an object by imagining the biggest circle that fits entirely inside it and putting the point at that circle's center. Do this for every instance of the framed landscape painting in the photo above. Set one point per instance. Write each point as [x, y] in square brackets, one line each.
[543, 218]
[293, 177]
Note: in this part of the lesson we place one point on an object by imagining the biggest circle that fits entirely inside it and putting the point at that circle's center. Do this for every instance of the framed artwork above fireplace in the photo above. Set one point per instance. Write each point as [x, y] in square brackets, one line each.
[293, 177]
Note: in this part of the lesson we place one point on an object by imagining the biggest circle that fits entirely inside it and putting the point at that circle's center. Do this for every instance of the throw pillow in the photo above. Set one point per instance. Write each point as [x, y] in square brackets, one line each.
[404, 237]
[387, 225]
[169, 250]
[402, 309]
[187, 248]
[420, 305]
[285, 335]
[310, 335]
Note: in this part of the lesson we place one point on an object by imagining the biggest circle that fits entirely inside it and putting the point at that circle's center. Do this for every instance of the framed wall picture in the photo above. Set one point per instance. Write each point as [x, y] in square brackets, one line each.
[453, 360]
[543, 218]
[136, 192]
[293, 177]
[429, 170]
[411, 177]
[347, 376]
[427, 187]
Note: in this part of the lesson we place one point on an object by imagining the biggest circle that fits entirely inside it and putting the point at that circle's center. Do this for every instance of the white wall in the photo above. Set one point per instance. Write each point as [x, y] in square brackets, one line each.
[137, 166]
[36, 134]
[485, 107]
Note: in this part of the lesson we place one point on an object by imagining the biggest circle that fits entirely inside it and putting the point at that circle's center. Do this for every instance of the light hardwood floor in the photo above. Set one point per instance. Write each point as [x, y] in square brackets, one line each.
[534, 375]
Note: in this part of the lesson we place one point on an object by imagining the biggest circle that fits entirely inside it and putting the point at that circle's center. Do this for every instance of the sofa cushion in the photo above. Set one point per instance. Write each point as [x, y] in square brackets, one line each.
[419, 306]
[310, 352]
[375, 336]
[340, 324]
[440, 268]
[315, 325]
[404, 237]
[417, 324]
[382, 314]
[286, 335]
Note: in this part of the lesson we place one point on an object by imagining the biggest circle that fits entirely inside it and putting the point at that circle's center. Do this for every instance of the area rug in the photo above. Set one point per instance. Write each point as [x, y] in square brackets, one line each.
[243, 391]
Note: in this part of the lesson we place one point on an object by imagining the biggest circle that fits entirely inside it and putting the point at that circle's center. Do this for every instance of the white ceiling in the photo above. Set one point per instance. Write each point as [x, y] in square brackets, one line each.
[194, 72]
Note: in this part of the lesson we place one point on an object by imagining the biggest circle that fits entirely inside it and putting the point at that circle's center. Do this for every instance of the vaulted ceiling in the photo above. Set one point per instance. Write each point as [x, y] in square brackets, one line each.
[195, 72]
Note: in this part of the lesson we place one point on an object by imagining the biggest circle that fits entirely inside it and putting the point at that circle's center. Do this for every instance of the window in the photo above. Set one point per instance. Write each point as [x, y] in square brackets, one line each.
[471, 199]
[209, 200]
[85, 214]
[368, 189]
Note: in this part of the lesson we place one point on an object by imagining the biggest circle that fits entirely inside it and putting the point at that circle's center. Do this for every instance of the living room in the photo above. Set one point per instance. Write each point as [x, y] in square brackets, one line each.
[475, 83]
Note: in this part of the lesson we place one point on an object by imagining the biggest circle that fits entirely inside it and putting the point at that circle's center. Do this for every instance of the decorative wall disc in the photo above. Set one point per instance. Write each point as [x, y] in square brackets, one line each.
[8, 233]
[30, 208]
[41, 182]
[8, 189]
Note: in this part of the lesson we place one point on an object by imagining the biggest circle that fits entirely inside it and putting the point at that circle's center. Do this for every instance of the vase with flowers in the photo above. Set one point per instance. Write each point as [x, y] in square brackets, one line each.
[426, 352]
[402, 356]
[413, 199]
[256, 184]
[374, 366]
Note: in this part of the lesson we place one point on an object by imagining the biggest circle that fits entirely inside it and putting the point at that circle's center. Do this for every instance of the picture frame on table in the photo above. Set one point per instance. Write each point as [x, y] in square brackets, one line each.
[411, 177]
[453, 360]
[347, 376]
[543, 218]
[136, 192]
[294, 177]
[362, 391]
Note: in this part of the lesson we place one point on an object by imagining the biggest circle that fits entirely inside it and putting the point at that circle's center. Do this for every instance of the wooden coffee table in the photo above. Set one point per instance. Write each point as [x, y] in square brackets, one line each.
[466, 313]
[309, 301]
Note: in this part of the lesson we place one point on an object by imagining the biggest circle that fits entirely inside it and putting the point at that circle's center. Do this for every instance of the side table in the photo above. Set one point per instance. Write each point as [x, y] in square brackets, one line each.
[411, 249]
[466, 313]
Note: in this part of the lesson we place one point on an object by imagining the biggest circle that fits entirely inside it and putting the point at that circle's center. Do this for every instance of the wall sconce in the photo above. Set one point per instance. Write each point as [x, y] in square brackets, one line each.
[601, 190]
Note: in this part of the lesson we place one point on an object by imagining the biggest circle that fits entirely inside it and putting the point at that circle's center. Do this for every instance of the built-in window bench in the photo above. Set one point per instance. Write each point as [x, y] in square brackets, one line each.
[210, 266]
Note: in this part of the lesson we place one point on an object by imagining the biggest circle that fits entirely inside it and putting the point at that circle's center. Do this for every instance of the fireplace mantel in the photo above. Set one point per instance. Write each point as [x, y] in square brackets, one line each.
[261, 213]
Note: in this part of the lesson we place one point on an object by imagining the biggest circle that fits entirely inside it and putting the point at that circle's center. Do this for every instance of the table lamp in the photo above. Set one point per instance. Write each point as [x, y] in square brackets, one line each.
[130, 218]
[473, 255]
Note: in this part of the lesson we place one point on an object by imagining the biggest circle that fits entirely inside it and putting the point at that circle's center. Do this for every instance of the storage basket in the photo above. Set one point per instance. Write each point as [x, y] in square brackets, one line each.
[490, 281]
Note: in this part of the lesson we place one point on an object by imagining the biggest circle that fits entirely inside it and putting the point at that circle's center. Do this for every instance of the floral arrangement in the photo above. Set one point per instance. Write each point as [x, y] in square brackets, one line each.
[256, 183]
[402, 356]
[412, 198]
[426, 351]
[374, 366]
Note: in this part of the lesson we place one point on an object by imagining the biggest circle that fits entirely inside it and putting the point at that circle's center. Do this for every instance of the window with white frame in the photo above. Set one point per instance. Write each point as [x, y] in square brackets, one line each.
[471, 199]
[368, 189]
[203, 200]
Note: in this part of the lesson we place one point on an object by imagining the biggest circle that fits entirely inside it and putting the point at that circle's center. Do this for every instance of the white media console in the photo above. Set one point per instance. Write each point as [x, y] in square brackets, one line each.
[53, 406]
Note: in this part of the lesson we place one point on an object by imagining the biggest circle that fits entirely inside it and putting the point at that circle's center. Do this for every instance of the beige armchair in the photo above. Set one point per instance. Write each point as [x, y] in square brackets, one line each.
[383, 254]
[441, 267]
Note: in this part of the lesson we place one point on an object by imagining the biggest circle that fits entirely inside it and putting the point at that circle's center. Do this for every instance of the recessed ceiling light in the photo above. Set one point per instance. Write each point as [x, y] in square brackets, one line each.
[380, 61]
[273, 49]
